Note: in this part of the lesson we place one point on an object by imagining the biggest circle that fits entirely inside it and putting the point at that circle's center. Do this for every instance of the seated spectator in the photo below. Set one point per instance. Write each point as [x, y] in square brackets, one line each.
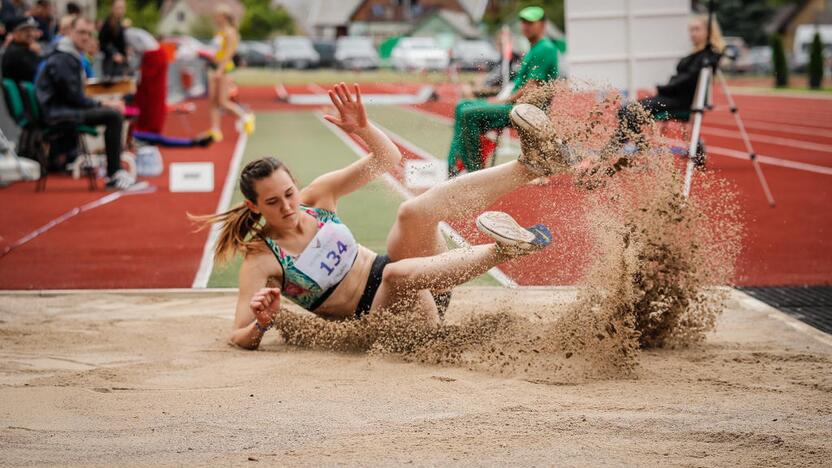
[42, 13]
[10, 10]
[60, 91]
[20, 61]
[677, 95]
[474, 117]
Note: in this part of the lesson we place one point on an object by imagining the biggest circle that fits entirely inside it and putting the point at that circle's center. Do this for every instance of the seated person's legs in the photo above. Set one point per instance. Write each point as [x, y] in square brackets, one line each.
[456, 139]
[476, 120]
[113, 122]
[472, 118]
[631, 119]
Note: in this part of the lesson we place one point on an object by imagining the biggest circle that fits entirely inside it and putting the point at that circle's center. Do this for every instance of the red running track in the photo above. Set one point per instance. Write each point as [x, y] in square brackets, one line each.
[787, 245]
[137, 241]
[107, 246]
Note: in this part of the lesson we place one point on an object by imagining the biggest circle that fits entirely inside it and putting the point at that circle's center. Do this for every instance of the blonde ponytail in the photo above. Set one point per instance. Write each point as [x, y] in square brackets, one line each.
[239, 230]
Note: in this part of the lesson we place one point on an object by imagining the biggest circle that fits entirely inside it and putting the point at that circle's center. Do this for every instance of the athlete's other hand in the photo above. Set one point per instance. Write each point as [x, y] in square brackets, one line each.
[265, 304]
[352, 116]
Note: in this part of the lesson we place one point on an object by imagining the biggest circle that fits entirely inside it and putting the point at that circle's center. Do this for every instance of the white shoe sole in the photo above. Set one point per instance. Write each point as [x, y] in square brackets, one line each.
[504, 229]
[529, 118]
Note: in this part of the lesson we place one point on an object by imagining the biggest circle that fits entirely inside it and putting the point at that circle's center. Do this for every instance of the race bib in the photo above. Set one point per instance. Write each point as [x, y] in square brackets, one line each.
[329, 256]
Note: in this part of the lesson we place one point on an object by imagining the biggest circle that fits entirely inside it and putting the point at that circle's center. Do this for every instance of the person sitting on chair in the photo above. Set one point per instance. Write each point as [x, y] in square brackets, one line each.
[60, 92]
[472, 117]
[677, 95]
[20, 61]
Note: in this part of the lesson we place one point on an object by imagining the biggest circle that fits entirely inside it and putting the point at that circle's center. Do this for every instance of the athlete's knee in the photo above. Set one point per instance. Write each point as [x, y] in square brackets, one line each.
[395, 275]
[412, 211]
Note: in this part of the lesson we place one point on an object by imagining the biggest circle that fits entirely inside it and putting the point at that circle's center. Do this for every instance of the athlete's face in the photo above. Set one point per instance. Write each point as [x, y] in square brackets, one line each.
[278, 200]
[698, 31]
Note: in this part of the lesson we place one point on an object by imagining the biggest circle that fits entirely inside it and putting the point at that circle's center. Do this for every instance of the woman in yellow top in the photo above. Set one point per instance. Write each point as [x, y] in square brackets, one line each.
[218, 80]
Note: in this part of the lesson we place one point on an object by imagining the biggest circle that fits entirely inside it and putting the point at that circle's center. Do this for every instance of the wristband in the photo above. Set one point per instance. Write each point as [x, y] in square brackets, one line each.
[261, 328]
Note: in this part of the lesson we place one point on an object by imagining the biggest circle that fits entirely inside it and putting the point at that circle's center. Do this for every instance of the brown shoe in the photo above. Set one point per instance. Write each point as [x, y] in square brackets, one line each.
[541, 150]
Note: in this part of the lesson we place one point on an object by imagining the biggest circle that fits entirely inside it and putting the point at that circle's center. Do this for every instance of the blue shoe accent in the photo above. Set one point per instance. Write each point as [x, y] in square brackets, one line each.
[542, 235]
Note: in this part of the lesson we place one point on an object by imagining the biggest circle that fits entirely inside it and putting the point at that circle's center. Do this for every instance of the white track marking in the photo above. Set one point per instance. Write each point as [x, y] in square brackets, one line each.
[713, 119]
[106, 199]
[455, 236]
[206, 265]
[758, 138]
[731, 153]
[770, 160]
[750, 302]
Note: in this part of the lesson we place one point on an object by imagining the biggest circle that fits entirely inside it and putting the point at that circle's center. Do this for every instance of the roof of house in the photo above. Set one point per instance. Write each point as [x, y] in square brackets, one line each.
[205, 7]
[458, 20]
[312, 13]
[475, 8]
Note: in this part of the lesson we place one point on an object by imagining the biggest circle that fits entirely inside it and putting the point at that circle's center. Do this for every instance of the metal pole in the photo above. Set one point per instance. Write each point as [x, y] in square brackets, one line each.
[698, 108]
[746, 140]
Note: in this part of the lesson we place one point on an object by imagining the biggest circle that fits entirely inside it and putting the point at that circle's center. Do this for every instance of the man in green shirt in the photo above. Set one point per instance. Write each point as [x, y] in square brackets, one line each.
[473, 117]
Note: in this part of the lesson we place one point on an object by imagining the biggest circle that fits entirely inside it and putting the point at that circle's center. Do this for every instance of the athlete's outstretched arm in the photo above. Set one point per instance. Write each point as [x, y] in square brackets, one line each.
[255, 304]
[324, 191]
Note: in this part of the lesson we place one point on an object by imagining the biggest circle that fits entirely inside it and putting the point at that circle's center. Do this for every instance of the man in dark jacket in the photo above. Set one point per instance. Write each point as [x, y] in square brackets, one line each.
[20, 61]
[60, 91]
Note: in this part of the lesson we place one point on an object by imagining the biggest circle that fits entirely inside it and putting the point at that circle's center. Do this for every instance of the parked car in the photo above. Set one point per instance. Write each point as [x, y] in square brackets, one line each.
[295, 52]
[419, 53]
[326, 51]
[356, 53]
[255, 54]
[474, 55]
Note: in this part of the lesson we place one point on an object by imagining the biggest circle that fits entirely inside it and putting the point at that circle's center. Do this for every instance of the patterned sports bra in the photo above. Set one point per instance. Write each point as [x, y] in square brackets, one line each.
[310, 278]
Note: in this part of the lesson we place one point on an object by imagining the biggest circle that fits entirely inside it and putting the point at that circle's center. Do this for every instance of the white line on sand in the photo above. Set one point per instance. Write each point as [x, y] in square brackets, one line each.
[206, 265]
[455, 236]
[756, 304]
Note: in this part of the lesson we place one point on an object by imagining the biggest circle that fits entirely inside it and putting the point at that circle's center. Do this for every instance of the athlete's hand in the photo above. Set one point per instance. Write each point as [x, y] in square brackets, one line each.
[352, 116]
[265, 304]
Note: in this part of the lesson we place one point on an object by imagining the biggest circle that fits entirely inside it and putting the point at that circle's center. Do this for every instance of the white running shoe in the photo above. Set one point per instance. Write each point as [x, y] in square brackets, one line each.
[122, 180]
[512, 238]
[542, 151]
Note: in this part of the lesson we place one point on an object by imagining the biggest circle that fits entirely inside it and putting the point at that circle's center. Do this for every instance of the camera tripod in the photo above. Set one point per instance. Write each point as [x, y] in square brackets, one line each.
[702, 102]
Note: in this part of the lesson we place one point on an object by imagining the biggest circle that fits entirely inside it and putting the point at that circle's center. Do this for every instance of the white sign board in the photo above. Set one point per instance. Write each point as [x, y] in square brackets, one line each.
[424, 174]
[192, 177]
[629, 44]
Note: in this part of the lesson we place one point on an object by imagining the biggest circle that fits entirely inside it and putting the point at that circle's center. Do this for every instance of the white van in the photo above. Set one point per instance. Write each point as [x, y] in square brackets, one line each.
[803, 37]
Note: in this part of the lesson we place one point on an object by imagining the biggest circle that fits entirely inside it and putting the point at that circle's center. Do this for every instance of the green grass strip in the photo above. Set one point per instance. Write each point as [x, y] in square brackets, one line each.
[309, 149]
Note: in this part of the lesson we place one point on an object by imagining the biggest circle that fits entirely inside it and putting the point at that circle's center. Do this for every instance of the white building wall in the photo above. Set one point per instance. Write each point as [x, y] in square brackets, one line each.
[630, 44]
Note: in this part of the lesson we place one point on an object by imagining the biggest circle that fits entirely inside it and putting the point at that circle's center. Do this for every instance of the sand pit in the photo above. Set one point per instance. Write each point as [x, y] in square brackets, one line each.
[109, 378]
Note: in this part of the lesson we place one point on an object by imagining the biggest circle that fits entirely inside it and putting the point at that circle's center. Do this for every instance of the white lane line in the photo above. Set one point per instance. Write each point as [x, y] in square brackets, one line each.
[756, 137]
[139, 189]
[455, 236]
[770, 160]
[206, 264]
[713, 119]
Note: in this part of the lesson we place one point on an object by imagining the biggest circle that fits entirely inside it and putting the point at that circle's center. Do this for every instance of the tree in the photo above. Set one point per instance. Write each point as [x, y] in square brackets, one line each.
[505, 11]
[745, 18]
[778, 56]
[142, 14]
[816, 63]
[261, 20]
